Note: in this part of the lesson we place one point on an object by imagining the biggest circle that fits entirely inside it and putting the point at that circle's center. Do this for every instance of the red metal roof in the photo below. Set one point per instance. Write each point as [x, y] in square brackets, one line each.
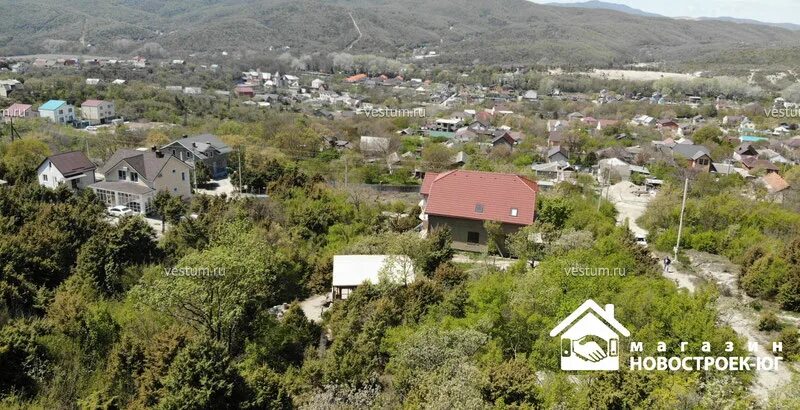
[16, 110]
[486, 196]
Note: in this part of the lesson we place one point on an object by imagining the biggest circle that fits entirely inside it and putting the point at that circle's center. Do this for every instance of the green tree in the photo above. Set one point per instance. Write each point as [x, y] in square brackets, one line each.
[201, 377]
[202, 175]
[171, 208]
[708, 133]
[495, 237]
[22, 156]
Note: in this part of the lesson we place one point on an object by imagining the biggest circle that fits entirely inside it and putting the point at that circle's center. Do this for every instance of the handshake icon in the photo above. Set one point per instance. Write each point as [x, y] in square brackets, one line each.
[589, 348]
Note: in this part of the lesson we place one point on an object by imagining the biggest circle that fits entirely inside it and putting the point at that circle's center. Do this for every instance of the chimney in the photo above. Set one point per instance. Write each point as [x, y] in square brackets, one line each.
[159, 154]
[610, 310]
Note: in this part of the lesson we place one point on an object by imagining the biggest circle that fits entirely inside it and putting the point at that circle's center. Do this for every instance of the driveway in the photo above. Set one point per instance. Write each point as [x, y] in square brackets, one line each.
[313, 307]
[218, 187]
[630, 201]
[154, 223]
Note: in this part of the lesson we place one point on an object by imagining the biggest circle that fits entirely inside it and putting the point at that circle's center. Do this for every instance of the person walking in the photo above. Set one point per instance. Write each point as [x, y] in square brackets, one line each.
[667, 262]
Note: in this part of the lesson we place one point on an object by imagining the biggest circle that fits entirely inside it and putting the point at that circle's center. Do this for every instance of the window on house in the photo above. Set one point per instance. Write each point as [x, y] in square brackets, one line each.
[183, 176]
[44, 177]
[134, 177]
[473, 237]
[514, 212]
[122, 175]
[479, 208]
[703, 161]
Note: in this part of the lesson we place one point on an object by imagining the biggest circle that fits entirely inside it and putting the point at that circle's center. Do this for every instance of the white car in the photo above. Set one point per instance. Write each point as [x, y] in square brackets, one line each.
[641, 240]
[120, 210]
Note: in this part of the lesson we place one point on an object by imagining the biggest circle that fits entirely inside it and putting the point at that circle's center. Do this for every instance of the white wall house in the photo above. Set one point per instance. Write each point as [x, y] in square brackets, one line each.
[72, 169]
[57, 111]
[350, 271]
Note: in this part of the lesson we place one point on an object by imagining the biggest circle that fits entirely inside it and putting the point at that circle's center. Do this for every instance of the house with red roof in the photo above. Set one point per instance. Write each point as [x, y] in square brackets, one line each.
[356, 78]
[18, 110]
[463, 200]
[245, 91]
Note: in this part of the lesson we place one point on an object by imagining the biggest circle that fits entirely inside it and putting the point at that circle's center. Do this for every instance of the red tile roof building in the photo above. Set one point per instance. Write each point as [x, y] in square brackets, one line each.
[463, 200]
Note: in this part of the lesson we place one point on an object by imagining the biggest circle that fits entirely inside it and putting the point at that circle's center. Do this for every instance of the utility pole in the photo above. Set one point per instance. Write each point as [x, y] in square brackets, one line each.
[680, 224]
[239, 153]
[12, 131]
[346, 170]
[602, 184]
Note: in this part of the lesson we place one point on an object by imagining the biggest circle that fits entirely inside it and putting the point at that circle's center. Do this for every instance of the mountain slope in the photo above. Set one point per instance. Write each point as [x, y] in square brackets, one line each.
[503, 32]
[595, 4]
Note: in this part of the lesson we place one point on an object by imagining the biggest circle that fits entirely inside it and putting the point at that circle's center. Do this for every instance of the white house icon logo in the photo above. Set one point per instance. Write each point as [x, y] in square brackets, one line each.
[590, 338]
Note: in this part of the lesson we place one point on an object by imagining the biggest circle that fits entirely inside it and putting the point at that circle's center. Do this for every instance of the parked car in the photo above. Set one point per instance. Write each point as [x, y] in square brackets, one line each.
[641, 240]
[120, 210]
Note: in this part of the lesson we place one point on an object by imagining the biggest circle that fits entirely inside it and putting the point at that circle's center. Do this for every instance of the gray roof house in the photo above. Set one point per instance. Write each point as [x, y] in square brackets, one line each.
[557, 154]
[205, 147]
[697, 156]
[133, 177]
[72, 169]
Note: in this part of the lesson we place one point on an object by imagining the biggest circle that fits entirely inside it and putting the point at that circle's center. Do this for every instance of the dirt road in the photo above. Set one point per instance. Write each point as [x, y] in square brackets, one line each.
[732, 304]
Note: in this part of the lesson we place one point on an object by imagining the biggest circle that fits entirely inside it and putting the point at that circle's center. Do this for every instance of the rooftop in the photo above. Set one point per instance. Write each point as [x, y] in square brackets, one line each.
[487, 196]
[52, 105]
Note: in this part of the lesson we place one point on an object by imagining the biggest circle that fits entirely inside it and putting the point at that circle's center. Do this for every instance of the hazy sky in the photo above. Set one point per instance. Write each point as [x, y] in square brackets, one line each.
[773, 11]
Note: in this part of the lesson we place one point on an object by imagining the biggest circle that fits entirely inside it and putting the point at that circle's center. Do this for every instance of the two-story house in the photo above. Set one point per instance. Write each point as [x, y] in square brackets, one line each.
[463, 200]
[98, 111]
[133, 177]
[206, 148]
[72, 169]
[57, 111]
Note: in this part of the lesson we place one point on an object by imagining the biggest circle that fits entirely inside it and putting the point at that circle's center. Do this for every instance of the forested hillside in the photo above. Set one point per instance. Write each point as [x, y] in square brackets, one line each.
[461, 30]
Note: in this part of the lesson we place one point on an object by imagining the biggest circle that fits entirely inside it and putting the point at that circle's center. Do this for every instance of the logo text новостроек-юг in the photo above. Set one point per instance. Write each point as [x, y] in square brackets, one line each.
[590, 340]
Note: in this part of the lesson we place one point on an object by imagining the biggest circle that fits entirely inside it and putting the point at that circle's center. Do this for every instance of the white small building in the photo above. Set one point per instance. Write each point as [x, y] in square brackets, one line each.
[73, 169]
[350, 271]
[317, 83]
[8, 86]
[57, 111]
